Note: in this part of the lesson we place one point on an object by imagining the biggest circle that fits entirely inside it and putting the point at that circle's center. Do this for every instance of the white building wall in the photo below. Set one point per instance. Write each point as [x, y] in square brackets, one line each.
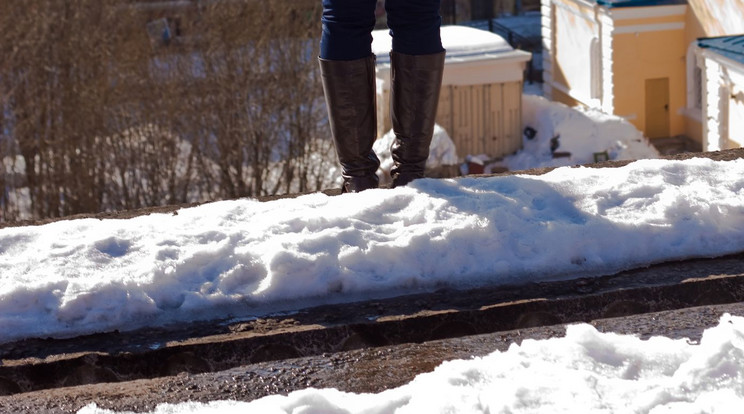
[546, 10]
[723, 102]
[570, 28]
[606, 28]
[736, 109]
[712, 140]
[575, 30]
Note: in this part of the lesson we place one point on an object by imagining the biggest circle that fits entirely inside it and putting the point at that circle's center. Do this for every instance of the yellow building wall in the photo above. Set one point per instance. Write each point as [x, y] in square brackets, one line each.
[644, 55]
[560, 96]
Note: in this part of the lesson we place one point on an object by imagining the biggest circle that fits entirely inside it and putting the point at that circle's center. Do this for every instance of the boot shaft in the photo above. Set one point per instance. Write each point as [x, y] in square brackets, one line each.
[350, 93]
[416, 81]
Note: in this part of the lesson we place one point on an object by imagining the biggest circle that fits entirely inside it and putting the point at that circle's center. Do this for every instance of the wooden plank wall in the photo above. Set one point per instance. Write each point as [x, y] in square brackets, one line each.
[486, 119]
[480, 119]
[512, 99]
[384, 123]
[494, 108]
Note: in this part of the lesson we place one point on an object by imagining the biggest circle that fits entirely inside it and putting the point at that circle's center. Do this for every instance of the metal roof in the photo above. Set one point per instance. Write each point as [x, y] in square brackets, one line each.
[731, 47]
[638, 3]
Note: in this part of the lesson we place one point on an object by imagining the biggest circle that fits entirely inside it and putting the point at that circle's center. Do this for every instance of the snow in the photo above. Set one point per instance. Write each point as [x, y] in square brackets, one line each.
[458, 41]
[442, 152]
[582, 133]
[243, 259]
[585, 371]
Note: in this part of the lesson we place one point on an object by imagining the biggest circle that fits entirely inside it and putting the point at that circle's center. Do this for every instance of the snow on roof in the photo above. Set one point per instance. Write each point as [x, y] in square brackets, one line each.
[731, 47]
[461, 43]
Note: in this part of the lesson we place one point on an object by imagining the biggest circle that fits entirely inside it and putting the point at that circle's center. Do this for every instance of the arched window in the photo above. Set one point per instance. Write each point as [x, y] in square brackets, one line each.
[694, 81]
[596, 69]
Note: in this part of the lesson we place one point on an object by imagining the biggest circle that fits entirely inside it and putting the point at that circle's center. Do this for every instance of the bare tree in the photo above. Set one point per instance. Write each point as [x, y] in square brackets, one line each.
[120, 104]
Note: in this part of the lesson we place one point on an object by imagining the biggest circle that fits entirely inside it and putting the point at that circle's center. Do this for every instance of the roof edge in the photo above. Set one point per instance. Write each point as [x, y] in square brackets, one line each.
[638, 3]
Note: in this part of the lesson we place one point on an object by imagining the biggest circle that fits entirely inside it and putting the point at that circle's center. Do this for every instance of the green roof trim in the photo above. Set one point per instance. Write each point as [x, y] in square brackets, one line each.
[639, 3]
[731, 47]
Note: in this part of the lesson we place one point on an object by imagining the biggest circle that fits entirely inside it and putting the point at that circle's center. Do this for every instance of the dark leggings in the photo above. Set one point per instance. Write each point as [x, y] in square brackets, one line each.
[348, 24]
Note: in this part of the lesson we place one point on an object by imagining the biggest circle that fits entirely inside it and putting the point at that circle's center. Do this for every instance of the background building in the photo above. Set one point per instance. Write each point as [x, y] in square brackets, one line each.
[639, 59]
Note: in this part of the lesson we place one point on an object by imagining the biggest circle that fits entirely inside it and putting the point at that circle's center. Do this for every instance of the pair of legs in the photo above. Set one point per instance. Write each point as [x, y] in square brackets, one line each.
[348, 73]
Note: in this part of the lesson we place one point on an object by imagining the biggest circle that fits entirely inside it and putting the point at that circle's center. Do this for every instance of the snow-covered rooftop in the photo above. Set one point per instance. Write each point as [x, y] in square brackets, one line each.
[461, 42]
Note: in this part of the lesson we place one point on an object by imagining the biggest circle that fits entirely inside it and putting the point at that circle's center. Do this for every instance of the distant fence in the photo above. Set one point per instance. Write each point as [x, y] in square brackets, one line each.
[113, 104]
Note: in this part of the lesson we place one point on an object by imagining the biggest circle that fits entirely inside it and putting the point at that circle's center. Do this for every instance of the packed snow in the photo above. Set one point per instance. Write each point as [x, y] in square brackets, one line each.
[586, 372]
[242, 258]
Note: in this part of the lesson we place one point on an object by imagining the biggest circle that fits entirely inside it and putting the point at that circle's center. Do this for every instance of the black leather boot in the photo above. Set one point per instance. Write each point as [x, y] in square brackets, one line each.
[414, 94]
[349, 88]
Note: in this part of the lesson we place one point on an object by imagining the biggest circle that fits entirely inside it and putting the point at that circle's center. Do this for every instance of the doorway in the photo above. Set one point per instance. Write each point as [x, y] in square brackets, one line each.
[657, 108]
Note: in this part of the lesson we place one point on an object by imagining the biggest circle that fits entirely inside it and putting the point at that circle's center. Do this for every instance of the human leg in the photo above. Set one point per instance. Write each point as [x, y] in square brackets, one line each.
[347, 29]
[347, 69]
[414, 26]
[417, 65]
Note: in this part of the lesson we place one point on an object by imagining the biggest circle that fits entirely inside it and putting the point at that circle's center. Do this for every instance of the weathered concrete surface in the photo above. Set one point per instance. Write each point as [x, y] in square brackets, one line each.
[365, 370]
[354, 346]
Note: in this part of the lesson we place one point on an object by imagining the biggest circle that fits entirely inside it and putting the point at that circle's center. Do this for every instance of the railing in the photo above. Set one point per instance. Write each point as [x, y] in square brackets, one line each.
[517, 41]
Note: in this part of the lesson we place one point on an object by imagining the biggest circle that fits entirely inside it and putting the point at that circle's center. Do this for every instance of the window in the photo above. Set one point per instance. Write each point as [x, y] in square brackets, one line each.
[596, 69]
[694, 81]
[697, 81]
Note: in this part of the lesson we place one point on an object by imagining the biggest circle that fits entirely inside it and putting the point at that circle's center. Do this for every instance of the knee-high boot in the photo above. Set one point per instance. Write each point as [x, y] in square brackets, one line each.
[416, 81]
[349, 88]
